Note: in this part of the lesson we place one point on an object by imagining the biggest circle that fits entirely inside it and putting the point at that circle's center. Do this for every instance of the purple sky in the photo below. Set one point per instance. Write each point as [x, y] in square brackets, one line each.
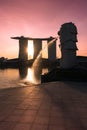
[40, 18]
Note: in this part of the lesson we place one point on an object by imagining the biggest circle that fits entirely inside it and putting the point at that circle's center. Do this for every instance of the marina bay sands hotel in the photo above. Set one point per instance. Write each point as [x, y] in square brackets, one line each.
[37, 44]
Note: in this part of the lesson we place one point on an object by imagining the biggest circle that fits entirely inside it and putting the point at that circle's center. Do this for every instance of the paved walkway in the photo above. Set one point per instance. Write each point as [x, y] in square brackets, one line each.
[49, 106]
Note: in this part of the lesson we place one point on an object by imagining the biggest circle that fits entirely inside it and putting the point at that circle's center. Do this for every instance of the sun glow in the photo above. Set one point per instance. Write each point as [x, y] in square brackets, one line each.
[30, 49]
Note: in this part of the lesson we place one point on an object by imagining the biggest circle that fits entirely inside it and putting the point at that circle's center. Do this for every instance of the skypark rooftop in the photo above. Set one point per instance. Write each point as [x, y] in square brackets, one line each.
[30, 38]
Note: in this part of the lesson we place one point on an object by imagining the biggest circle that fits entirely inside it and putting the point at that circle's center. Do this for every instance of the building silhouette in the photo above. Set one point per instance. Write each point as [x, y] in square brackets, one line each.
[37, 43]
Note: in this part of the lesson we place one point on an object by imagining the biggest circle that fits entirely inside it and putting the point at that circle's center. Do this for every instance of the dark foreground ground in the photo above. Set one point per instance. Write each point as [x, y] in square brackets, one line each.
[49, 106]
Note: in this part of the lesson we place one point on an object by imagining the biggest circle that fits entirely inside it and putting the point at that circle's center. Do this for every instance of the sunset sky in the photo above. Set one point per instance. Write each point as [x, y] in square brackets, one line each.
[40, 18]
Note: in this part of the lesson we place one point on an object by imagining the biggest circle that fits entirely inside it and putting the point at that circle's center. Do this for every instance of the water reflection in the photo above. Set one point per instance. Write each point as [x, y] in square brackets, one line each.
[32, 75]
[23, 71]
[44, 71]
[21, 77]
[9, 78]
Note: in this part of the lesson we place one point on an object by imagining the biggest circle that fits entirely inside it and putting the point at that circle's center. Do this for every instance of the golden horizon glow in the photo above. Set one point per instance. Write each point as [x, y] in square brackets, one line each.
[30, 49]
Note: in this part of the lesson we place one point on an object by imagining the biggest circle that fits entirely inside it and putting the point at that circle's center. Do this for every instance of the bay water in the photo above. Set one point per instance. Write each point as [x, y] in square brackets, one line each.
[20, 77]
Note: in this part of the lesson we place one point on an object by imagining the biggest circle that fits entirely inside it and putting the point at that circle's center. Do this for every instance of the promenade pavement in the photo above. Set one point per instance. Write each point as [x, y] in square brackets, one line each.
[48, 106]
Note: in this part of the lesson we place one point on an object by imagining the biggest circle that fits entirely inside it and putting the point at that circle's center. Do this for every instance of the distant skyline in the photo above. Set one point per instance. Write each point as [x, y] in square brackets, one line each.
[40, 18]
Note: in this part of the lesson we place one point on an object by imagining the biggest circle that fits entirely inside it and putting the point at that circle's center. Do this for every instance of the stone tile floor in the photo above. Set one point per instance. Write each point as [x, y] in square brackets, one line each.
[49, 106]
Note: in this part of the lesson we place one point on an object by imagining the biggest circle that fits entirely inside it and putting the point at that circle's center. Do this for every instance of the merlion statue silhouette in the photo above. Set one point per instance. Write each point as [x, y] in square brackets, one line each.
[68, 39]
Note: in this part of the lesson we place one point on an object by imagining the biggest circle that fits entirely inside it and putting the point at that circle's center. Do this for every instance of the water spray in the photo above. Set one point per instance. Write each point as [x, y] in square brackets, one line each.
[36, 67]
[37, 60]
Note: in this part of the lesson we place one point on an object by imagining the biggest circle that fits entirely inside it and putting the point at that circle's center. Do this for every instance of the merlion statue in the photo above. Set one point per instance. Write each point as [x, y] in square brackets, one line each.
[68, 39]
